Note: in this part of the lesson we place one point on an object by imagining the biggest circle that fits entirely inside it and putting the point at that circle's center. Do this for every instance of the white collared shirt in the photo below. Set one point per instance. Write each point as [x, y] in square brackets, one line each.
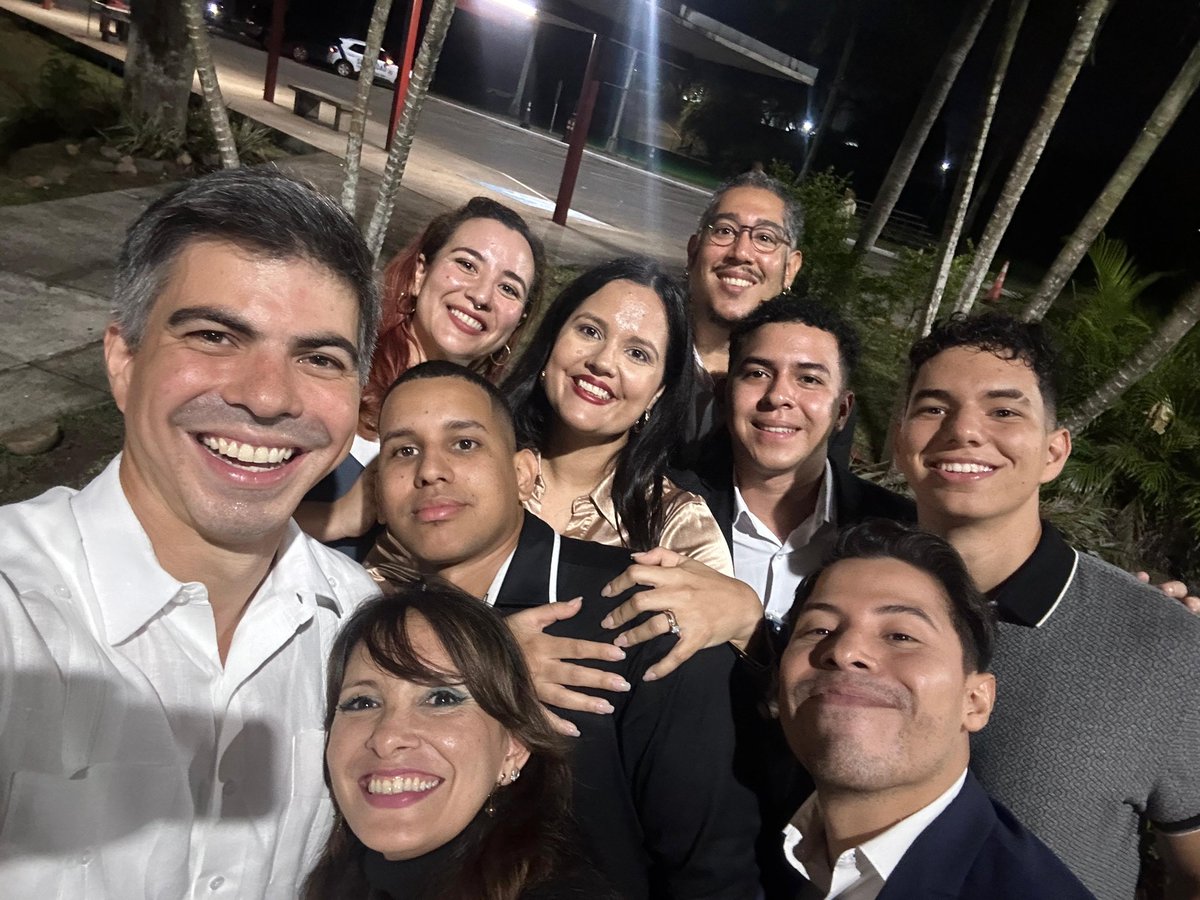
[860, 872]
[132, 763]
[775, 568]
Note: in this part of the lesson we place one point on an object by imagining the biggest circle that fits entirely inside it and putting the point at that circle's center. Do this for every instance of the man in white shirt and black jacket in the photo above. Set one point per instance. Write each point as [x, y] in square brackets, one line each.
[883, 683]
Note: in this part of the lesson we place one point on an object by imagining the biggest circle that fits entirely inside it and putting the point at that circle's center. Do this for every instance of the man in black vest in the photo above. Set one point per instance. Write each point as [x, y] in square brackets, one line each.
[655, 794]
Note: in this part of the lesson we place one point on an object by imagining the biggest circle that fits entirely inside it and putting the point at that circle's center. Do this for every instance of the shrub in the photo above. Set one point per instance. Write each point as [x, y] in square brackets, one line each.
[66, 101]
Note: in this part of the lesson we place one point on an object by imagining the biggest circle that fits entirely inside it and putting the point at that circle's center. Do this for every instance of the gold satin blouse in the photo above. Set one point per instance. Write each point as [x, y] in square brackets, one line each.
[688, 526]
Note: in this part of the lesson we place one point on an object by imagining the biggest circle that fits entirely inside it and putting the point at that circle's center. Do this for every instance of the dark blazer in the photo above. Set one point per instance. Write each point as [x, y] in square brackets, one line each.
[655, 795]
[708, 471]
[764, 761]
[976, 849]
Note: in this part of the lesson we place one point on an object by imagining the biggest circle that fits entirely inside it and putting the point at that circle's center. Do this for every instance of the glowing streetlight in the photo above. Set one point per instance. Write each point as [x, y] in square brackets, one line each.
[945, 167]
[520, 7]
[807, 127]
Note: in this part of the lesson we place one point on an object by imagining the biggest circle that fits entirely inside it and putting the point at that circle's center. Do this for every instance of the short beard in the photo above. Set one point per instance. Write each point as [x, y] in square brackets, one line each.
[729, 322]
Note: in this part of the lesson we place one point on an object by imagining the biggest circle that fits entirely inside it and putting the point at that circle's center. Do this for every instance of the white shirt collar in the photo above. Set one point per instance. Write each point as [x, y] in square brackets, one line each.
[805, 848]
[132, 587]
[493, 591]
[823, 513]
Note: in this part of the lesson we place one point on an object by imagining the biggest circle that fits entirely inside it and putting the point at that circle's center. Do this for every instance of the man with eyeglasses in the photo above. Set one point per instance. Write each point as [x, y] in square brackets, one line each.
[743, 252]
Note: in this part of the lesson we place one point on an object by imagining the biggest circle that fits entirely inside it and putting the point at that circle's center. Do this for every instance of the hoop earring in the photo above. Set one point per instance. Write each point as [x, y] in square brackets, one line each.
[641, 421]
[505, 352]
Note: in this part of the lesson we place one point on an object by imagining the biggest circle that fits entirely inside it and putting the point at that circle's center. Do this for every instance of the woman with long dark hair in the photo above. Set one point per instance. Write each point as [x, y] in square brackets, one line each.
[448, 782]
[600, 393]
[461, 291]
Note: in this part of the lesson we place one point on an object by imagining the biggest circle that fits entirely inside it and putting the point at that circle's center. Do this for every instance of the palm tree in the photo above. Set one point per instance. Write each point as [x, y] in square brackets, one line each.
[953, 229]
[1156, 128]
[1086, 28]
[922, 121]
[436, 27]
[1153, 352]
[214, 103]
[358, 121]
[834, 95]
[158, 66]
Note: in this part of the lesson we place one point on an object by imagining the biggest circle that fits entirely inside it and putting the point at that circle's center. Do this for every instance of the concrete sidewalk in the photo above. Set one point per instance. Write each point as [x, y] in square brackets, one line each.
[57, 258]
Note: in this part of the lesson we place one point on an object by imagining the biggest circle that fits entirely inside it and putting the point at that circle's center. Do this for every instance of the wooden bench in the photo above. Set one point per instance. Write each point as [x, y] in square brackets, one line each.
[308, 104]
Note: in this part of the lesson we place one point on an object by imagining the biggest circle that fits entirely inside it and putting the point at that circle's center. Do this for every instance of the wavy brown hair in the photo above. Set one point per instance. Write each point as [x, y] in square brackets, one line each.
[526, 840]
[391, 357]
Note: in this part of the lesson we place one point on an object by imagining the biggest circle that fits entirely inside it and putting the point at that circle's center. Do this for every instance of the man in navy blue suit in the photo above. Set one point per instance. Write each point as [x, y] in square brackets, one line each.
[883, 682]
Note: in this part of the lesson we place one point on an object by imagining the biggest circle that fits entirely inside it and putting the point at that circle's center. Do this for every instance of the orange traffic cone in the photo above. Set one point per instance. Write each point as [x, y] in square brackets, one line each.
[993, 295]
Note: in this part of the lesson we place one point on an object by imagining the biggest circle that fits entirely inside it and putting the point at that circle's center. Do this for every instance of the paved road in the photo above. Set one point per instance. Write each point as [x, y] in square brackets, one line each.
[611, 192]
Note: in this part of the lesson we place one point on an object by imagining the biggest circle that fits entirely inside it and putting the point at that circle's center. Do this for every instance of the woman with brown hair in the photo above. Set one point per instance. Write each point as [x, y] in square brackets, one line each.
[461, 291]
[447, 779]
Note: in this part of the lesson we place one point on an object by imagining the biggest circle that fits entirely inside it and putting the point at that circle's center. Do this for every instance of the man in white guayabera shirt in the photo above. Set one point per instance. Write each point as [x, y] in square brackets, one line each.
[883, 683]
[163, 631]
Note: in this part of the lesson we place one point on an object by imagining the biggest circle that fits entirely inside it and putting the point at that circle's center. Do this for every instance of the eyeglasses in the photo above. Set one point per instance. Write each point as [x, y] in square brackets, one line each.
[765, 238]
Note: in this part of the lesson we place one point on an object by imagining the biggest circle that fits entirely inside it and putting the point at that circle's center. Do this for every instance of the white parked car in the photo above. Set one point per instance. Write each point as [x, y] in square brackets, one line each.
[346, 56]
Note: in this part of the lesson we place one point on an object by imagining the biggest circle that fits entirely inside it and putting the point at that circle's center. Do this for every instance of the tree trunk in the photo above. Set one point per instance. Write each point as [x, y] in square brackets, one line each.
[922, 121]
[358, 121]
[834, 95]
[995, 155]
[214, 103]
[952, 232]
[1086, 28]
[1173, 330]
[1093, 222]
[440, 14]
[158, 66]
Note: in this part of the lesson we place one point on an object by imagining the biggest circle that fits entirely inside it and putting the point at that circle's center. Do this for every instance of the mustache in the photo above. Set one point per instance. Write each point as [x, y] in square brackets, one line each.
[210, 414]
[862, 687]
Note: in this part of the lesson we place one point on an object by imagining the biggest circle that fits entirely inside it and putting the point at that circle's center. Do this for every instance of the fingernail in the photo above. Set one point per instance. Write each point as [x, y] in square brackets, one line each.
[620, 640]
[618, 655]
[650, 675]
[606, 622]
[620, 684]
[603, 707]
[605, 591]
[573, 731]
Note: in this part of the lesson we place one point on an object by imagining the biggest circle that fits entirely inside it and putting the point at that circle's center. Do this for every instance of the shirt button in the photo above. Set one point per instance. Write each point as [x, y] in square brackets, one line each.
[332, 582]
[61, 590]
[216, 883]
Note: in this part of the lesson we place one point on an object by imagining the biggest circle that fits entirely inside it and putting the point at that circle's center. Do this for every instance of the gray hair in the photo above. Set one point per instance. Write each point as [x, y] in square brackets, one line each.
[793, 212]
[261, 210]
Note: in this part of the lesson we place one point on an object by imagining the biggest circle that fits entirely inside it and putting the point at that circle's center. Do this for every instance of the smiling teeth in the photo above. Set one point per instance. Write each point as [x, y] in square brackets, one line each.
[777, 429]
[594, 390]
[400, 785]
[737, 282]
[965, 468]
[469, 321]
[246, 452]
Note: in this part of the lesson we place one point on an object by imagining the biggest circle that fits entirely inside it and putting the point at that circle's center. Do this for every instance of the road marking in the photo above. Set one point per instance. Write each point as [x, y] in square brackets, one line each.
[600, 157]
[540, 203]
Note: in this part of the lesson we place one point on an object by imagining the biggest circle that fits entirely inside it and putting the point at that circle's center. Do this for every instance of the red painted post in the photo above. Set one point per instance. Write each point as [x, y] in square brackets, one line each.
[274, 47]
[583, 121]
[410, 53]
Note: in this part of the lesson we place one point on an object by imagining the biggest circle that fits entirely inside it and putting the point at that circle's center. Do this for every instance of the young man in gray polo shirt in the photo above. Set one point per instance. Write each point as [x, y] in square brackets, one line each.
[1099, 714]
